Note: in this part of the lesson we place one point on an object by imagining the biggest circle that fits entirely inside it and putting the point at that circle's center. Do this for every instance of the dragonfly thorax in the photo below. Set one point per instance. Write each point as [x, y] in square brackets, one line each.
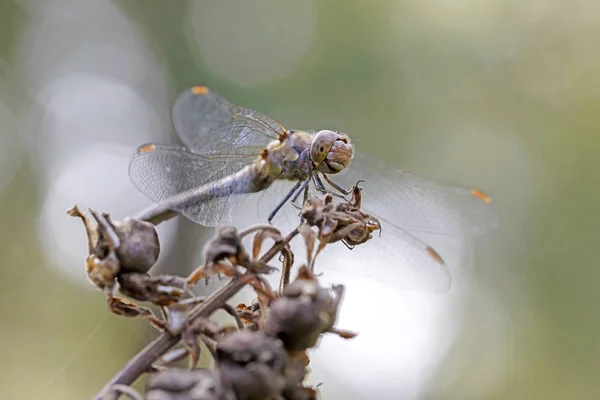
[299, 153]
[289, 157]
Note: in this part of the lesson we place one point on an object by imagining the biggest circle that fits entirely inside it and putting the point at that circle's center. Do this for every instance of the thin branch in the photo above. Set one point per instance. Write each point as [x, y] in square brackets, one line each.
[232, 311]
[259, 227]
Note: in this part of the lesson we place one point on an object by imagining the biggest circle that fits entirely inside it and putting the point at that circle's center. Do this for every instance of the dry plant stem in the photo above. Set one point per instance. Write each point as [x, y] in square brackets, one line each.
[231, 311]
[258, 227]
[286, 270]
[143, 361]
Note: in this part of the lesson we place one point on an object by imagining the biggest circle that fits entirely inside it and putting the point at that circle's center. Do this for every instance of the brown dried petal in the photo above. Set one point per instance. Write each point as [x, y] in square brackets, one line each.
[126, 308]
[102, 272]
[309, 237]
[161, 290]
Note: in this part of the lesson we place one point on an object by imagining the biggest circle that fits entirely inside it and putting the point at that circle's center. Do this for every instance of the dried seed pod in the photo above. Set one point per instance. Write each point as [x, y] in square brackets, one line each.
[253, 364]
[180, 384]
[139, 247]
[303, 312]
[226, 245]
[113, 247]
[341, 221]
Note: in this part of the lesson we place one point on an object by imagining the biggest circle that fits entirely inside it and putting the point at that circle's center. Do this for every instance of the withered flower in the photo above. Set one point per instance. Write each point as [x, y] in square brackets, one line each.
[226, 245]
[224, 252]
[113, 247]
[303, 312]
[336, 221]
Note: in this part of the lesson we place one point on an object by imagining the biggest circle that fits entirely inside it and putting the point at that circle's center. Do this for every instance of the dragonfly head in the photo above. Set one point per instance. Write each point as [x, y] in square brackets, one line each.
[331, 151]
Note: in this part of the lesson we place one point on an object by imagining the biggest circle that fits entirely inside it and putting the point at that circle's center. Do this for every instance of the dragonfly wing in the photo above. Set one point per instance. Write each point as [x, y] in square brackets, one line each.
[171, 174]
[207, 122]
[419, 204]
[395, 258]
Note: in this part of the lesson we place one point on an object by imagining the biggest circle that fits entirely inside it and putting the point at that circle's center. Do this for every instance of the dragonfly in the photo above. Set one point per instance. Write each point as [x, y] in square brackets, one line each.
[231, 152]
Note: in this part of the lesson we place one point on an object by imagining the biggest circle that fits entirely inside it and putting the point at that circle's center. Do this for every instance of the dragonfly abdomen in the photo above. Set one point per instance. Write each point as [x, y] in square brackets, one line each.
[246, 180]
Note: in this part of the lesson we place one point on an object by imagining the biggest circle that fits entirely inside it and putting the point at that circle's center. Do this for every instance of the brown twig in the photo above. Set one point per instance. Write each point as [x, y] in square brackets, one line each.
[229, 309]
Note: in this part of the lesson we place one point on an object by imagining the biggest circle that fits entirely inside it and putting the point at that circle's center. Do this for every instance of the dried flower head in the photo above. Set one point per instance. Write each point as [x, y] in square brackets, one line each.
[113, 247]
[226, 245]
[304, 311]
[225, 252]
[336, 221]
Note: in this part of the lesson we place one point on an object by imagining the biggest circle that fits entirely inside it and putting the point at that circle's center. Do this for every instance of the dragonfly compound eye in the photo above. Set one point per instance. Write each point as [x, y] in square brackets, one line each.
[331, 151]
[321, 144]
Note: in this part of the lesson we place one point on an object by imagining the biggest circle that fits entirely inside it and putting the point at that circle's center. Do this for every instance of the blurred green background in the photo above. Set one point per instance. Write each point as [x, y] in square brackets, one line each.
[498, 94]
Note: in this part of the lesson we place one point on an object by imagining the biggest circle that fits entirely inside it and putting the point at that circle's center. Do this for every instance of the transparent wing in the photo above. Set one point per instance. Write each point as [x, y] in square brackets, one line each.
[222, 138]
[395, 258]
[206, 122]
[418, 204]
[174, 175]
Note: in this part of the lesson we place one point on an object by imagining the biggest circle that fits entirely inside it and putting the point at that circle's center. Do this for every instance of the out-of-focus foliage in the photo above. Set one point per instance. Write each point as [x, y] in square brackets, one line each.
[498, 94]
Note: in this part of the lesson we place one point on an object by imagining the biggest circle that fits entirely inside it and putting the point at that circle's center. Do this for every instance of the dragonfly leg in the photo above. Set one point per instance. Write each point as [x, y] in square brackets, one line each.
[303, 188]
[321, 187]
[336, 186]
[319, 184]
[285, 199]
[305, 199]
